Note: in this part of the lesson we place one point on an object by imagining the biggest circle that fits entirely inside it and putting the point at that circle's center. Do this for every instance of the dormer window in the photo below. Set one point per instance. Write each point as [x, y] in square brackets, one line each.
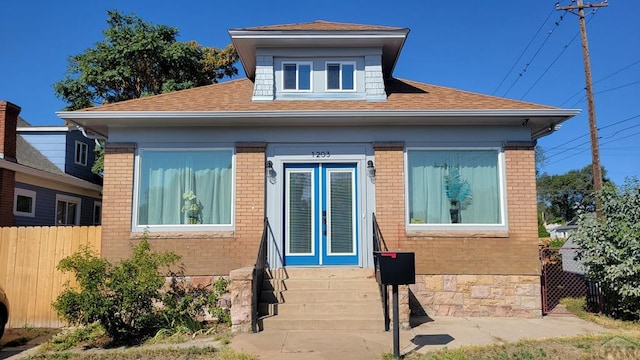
[296, 76]
[340, 76]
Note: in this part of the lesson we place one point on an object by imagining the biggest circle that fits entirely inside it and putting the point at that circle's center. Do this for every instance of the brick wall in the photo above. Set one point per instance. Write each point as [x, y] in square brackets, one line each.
[509, 258]
[8, 121]
[203, 253]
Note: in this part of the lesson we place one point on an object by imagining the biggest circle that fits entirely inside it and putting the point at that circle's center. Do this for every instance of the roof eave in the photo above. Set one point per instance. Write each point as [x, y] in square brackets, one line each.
[541, 121]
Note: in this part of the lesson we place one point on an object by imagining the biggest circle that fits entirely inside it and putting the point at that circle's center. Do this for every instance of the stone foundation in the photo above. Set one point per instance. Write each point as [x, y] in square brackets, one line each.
[242, 301]
[476, 295]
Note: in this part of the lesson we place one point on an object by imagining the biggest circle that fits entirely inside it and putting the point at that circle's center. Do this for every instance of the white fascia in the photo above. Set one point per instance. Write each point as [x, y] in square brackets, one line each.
[71, 115]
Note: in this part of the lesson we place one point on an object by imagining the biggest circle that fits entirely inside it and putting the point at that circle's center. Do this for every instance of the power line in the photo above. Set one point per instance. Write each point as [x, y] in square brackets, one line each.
[524, 70]
[602, 128]
[606, 77]
[564, 48]
[607, 90]
[523, 52]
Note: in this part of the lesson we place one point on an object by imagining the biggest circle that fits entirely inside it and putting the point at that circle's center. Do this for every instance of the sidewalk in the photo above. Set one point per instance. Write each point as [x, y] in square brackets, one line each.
[431, 335]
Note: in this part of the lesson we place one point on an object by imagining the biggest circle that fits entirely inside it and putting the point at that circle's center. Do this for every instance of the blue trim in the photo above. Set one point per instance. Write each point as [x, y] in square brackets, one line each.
[340, 259]
[320, 202]
[305, 259]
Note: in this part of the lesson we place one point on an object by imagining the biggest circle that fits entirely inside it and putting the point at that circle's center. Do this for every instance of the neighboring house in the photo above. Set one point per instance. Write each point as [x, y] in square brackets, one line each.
[46, 174]
[562, 231]
[318, 138]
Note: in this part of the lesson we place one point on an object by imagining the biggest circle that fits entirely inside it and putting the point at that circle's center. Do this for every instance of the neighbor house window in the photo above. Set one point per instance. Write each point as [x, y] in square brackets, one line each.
[184, 187]
[460, 188]
[24, 202]
[67, 210]
[97, 213]
[296, 76]
[82, 151]
[341, 76]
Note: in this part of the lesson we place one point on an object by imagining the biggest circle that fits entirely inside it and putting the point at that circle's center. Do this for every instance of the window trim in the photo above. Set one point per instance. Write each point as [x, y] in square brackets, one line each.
[502, 186]
[97, 204]
[341, 63]
[81, 157]
[136, 228]
[26, 193]
[68, 199]
[297, 64]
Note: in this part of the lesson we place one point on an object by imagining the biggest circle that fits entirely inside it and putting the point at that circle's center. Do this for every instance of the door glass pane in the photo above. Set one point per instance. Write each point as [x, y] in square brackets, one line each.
[341, 212]
[300, 212]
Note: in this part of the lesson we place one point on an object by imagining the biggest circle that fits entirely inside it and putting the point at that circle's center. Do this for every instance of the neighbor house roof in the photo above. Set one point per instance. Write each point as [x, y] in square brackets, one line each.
[236, 95]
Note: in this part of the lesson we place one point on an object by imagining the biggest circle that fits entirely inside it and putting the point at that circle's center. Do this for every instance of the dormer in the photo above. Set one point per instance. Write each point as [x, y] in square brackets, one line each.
[319, 60]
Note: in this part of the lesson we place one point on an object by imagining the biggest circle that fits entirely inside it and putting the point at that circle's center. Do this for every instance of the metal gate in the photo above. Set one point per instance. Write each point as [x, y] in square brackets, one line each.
[562, 277]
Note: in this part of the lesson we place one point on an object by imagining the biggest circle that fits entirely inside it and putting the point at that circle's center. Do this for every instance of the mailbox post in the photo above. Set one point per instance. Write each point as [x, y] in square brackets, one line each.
[395, 268]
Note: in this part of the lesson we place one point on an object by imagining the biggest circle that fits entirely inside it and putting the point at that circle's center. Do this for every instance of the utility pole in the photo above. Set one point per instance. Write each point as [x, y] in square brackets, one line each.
[593, 128]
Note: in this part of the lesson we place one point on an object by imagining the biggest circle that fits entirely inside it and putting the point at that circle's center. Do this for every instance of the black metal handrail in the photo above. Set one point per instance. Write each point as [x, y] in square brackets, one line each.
[258, 275]
[380, 245]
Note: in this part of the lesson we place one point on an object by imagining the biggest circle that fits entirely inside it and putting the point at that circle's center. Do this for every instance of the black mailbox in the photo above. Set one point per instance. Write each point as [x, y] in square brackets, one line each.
[395, 268]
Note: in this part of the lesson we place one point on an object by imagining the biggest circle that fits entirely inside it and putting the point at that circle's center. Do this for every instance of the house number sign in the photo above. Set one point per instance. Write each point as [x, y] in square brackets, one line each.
[320, 154]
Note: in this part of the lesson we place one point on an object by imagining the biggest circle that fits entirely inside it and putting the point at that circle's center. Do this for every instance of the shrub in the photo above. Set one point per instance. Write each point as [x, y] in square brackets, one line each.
[120, 297]
[610, 248]
[186, 305]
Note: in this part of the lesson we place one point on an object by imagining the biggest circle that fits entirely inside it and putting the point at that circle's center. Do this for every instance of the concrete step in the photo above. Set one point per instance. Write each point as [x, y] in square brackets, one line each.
[320, 323]
[330, 310]
[319, 284]
[320, 273]
[318, 296]
[340, 298]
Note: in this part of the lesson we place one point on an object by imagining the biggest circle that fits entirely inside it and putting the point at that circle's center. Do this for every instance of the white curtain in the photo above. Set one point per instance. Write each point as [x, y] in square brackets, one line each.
[428, 202]
[167, 176]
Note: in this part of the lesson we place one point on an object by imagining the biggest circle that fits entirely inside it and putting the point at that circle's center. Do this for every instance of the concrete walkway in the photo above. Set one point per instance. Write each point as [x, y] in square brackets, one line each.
[431, 334]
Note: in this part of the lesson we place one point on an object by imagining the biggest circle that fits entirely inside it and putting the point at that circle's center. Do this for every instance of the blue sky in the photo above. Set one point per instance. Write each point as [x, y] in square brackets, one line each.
[465, 44]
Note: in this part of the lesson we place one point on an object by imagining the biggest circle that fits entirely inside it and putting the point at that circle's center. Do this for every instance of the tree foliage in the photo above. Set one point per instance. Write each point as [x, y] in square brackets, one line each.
[137, 58]
[610, 248]
[560, 196]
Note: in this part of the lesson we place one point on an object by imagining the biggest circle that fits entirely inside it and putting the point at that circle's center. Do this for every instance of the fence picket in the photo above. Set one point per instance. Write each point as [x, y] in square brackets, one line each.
[28, 274]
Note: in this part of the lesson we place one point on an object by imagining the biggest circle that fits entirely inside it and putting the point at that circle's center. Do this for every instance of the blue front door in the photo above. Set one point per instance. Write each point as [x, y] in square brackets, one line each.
[320, 219]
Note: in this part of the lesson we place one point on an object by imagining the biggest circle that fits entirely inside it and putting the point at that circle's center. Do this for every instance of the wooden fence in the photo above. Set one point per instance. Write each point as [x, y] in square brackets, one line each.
[28, 274]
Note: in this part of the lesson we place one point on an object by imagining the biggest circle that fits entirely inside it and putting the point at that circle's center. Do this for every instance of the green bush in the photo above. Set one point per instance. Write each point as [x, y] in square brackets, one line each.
[610, 248]
[186, 305]
[120, 297]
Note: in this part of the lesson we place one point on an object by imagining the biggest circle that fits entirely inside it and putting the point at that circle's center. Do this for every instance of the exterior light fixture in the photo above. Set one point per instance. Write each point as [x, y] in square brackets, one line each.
[371, 170]
[271, 174]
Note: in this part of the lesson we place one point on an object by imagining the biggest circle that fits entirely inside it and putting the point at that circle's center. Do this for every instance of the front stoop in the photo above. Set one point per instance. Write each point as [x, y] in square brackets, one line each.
[321, 299]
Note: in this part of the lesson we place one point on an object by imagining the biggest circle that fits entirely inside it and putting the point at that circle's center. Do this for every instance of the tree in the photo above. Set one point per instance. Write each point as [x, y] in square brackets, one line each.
[136, 59]
[559, 196]
[610, 248]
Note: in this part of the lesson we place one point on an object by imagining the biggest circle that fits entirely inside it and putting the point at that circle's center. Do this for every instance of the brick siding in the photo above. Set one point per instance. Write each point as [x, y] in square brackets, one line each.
[203, 253]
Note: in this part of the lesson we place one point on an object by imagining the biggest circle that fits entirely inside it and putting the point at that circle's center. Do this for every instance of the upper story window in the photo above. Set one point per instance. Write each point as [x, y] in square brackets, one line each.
[296, 76]
[455, 189]
[24, 203]
[178, 188]
[340, 76]
[82, 151]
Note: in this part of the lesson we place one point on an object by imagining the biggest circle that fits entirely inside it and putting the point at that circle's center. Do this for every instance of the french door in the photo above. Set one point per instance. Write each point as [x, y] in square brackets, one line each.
[320, 219]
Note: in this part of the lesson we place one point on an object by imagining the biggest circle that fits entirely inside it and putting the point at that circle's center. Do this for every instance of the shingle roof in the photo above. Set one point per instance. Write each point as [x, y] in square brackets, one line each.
[29, 156]
[320, 25]
[236, 95]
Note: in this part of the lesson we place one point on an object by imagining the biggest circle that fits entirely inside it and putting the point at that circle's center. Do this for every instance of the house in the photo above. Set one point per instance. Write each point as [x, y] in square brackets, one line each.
[46, 174]
[318, 138]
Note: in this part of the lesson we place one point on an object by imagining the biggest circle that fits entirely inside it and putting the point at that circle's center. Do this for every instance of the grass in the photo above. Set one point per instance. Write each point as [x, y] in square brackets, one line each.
[196, 353]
